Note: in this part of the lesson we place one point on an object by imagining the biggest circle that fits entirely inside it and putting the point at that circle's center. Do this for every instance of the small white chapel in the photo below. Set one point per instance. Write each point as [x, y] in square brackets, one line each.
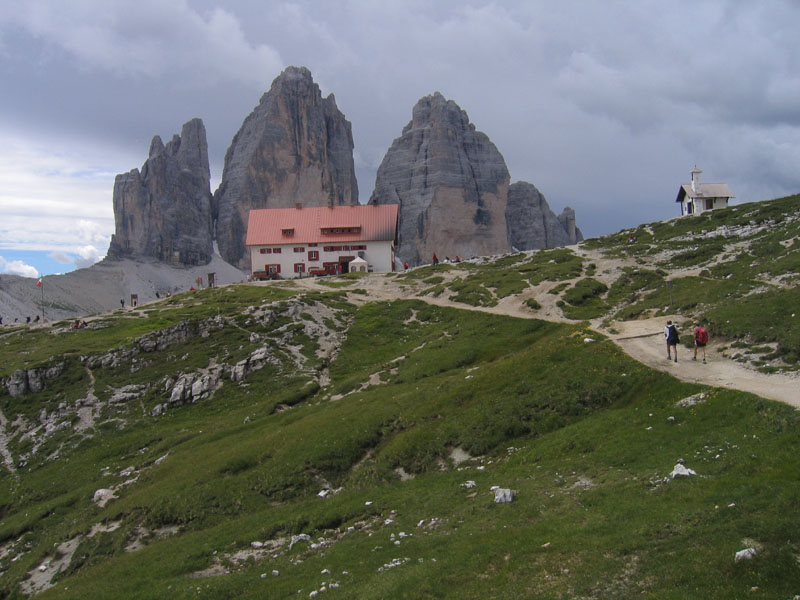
[697, 197]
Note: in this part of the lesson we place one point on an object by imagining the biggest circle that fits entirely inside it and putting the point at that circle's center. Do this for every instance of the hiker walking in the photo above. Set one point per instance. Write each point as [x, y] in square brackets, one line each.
[435, 259]
[700, 340]
[671, 335]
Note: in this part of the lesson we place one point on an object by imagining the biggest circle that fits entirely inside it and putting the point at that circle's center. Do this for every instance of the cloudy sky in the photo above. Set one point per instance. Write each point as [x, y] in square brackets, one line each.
[604, 106]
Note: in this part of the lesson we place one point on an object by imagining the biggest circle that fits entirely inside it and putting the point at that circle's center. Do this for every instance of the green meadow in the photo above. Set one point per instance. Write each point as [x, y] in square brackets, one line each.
[367, 472]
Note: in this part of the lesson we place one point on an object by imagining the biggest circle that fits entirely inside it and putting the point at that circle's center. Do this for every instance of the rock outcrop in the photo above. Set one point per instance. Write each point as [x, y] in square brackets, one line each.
[452, 186]
[294, 148]
[533, 225]
[163, 212]
[31, 381]
[451, 183]
[567, 220]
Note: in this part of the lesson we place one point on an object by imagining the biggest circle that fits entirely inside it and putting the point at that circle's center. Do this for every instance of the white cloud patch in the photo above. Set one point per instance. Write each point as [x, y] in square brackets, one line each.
[52, 199]
[87, 256]
[17, 267]
[81, 257]
[61, 257]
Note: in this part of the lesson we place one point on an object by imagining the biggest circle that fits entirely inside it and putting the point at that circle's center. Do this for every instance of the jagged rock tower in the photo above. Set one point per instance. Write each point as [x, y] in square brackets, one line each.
[294, 148]
[451, 183]
[452, 186]
[533, 225]
[164, 211]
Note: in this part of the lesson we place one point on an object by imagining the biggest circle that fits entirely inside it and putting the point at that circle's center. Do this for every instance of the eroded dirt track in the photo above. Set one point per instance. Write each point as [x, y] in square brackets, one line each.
[643, 339]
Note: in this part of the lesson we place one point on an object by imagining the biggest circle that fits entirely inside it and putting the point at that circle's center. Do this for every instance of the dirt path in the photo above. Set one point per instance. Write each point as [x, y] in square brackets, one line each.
[643, 340]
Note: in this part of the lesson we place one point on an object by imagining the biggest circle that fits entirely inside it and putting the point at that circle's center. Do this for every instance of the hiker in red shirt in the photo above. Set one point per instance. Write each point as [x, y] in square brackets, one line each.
[700, 340]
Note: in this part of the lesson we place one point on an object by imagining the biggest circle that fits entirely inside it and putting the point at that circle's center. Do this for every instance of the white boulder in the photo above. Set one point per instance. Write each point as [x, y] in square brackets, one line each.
[745, 554]
[681, 471]
[503, 495]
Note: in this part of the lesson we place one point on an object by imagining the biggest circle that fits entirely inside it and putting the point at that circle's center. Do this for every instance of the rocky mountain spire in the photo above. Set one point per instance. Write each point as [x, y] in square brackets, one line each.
[294, 148]
[532, 224]
[453, 189]
[568, 222]
[163, 212]
[451, 183]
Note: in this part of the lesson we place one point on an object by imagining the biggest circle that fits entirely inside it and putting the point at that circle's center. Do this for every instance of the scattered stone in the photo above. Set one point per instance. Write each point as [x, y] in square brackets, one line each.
[396, 562]
[102, 496]
[745, 554]
[503, 495]
[468, 484]
[303, 537]
[692, 400]
[681, 471]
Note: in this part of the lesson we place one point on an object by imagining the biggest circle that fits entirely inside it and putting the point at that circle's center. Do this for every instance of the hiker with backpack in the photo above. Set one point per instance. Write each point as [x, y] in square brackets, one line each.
[671, 335]
[700, 340]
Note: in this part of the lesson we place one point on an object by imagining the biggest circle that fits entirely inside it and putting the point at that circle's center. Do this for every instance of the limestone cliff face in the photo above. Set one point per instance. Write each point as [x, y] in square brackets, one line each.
[163, 212]
[294, 148]
[533, 225]
[451, 183]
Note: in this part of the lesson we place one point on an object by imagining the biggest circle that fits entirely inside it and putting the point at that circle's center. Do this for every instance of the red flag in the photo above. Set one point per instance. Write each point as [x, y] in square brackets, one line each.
[39, 283]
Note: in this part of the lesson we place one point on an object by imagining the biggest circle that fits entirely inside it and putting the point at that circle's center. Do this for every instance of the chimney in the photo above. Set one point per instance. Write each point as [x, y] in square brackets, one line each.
[298, 205]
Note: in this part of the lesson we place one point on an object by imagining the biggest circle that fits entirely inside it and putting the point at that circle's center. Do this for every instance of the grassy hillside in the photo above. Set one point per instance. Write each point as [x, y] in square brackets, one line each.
[320, 442]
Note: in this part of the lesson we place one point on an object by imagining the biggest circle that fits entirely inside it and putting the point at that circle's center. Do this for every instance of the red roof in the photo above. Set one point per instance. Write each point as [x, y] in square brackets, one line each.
[374, 222]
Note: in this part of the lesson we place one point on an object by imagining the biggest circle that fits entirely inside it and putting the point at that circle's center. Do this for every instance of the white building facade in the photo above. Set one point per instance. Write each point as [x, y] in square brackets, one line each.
[297, 242]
